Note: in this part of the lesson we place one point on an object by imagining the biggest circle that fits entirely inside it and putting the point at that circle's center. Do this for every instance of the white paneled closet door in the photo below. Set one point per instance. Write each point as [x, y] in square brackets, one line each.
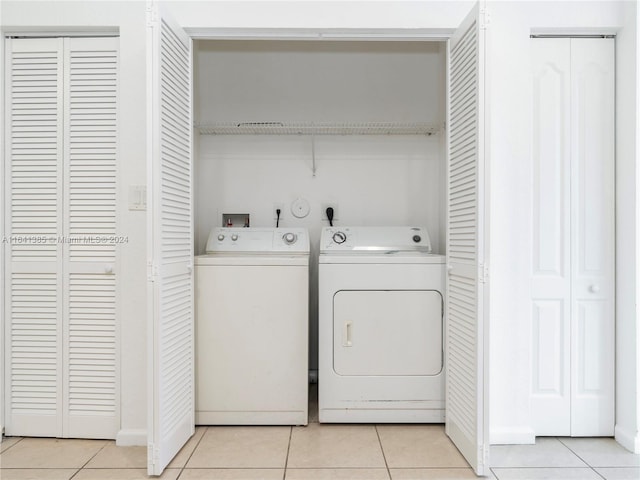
[466, 337]
[171, 380]
[61, 359]
[573, 257]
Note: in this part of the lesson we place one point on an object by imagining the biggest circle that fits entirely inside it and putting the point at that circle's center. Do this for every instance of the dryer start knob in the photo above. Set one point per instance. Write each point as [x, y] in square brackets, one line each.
[220, 237]
[339, 237]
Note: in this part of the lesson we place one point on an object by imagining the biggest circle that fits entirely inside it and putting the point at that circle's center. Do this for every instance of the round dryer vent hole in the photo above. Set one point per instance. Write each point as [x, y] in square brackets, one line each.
[300, 208]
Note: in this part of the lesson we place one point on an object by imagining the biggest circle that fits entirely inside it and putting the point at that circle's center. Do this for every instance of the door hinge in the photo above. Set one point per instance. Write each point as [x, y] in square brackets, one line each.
[483, 459]
[152, 272]
[153, 457]
[152, 14]
[485, 18]
[483, 273]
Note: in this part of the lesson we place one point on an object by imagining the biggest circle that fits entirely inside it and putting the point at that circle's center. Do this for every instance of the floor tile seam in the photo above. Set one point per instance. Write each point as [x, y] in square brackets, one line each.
[336, 468]
[87, 462]
[39, 468]
[430, 468]
[615, 466]
[384, 457]
[598, 473]
[227, 468]
[74, 473]
[495, 473]
[286, 458]
[572, 451]
[110, 468]
[585, 467]
[192, 452]
[12, 445]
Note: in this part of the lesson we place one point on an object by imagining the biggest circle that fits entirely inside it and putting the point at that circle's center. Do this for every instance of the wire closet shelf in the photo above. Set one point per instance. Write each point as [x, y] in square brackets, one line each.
[307, 128]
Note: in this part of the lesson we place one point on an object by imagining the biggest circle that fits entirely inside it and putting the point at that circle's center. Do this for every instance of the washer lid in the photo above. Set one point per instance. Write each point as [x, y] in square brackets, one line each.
[225, 240]
[374, 240]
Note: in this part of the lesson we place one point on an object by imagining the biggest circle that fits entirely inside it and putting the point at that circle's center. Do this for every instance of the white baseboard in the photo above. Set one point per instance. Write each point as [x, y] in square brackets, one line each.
[131, 438]
[512, 436]
[628, 439]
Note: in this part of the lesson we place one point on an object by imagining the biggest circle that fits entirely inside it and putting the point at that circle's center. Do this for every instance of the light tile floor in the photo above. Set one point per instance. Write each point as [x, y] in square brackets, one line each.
[318, 452]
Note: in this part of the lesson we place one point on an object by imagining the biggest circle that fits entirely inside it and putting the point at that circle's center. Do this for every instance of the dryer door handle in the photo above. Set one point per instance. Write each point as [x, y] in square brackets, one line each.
[348, 331]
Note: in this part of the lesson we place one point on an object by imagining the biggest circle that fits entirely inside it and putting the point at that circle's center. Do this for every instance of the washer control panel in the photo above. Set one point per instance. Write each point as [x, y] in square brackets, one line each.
[258, 240]
[375, 239]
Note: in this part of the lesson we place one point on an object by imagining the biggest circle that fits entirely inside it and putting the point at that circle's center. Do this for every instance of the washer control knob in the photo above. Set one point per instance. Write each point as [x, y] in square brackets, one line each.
[339, 237]
[220, 237]
[417, 238]
[234, 237]
[289, 238]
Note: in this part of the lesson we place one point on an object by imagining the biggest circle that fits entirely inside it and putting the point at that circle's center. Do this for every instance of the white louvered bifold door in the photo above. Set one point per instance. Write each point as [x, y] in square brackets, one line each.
[33, 297]
[61, 337]
[91, 390]
[466, 352]
[171, 381]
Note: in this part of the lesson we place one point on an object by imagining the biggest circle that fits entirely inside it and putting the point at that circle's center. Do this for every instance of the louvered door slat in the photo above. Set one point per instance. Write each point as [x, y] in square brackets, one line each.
[35, 84]
[34, 354]
[92, 152]
[92, 345]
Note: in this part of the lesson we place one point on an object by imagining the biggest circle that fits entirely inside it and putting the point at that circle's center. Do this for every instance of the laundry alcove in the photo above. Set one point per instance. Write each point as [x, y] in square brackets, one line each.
[462, 180]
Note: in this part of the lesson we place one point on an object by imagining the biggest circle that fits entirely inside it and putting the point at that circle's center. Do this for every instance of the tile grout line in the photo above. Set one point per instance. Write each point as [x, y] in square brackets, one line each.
[286, 459]
[11, 446]
[384, 457]
[182, 469]
[586, 463]
[92, 457]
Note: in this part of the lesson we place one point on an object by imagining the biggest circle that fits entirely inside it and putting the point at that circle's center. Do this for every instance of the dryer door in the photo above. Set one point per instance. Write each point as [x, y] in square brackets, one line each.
[384, 333]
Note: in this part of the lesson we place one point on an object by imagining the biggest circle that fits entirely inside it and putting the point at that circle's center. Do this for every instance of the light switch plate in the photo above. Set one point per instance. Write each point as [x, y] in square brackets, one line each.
[137, 197]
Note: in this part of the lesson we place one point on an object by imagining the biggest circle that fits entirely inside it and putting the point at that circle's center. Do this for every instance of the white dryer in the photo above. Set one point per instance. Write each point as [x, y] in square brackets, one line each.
[381, 315]
[252, 327]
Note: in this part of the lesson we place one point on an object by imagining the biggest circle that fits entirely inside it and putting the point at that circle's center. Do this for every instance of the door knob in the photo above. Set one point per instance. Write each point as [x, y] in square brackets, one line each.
[594, 288]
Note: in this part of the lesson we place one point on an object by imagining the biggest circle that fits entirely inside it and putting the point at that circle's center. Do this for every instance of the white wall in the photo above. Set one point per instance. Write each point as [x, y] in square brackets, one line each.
[510, 114]
[373, 181]
[129, 19]
[334, 15]
[327, 81]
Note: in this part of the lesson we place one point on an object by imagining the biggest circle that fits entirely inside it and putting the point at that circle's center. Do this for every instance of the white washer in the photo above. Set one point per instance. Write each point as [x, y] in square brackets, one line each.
[252, 327]
[381, 310]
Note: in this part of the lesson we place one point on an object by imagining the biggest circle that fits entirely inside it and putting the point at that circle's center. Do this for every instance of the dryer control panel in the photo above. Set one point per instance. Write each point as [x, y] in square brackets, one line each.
[374, 240]
[258, 240]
